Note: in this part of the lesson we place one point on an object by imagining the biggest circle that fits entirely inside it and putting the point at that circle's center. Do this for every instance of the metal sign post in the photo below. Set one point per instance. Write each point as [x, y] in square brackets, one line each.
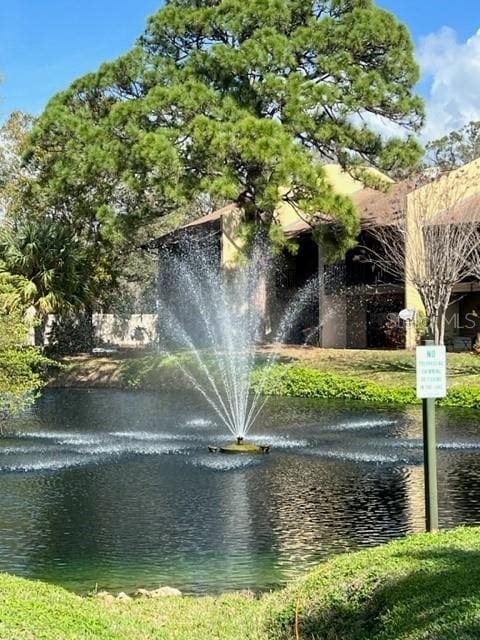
[431, 384]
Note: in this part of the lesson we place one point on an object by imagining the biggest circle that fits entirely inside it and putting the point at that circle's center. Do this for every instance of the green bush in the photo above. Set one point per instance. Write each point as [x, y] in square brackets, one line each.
[287, 380]
[23, 370]
[301, 382]
[464, 397]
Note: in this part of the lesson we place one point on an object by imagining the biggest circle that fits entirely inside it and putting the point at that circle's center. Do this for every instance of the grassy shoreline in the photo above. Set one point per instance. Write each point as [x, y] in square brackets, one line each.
[378, 377]
[423, 586]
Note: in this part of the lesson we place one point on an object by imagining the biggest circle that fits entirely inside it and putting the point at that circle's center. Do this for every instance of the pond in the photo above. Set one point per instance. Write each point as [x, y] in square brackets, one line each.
[117, 489]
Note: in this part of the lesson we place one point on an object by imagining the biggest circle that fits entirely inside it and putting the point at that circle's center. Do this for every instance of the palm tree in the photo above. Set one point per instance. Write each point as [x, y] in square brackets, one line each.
[48, 266]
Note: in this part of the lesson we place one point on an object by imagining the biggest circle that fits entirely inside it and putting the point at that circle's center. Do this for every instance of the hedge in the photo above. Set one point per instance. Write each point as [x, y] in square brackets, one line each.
[303, 382]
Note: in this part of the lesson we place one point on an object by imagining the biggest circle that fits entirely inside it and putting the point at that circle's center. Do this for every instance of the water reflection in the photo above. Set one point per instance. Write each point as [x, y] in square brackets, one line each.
[116, 489]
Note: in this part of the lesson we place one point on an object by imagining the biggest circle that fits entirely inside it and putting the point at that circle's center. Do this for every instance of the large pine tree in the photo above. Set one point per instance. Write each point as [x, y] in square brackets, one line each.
[242, 100]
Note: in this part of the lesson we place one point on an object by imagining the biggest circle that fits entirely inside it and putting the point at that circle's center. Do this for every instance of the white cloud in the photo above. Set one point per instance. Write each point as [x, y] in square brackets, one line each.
[385, 127]
[452, 70]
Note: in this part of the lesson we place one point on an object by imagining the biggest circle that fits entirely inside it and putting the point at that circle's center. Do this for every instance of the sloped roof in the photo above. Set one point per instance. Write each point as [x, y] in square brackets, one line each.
[296, 228]
[375, 208]
[211, 217]
[379, 208]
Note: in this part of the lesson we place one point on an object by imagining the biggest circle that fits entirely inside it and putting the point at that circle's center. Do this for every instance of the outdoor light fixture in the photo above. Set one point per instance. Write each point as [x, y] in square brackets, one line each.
[407, 315]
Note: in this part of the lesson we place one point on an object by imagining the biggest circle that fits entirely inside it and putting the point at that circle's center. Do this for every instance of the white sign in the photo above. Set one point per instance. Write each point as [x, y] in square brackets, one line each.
[431, 372]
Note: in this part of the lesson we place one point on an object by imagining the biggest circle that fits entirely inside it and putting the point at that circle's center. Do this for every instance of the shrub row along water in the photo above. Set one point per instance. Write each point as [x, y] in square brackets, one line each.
[304, 382]
[290, 380]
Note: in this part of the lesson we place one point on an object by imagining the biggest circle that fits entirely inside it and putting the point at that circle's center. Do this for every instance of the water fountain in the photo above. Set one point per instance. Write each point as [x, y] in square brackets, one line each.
[211, 320]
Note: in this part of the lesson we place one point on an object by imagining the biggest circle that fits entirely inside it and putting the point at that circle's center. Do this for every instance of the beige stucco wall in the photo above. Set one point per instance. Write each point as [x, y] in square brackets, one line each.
[448, 190]
[137, 330]
[341, 181]
[413, 301]
[231, 243]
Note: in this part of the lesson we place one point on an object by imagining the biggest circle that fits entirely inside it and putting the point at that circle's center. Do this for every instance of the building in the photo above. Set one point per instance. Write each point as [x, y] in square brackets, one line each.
[357, 305]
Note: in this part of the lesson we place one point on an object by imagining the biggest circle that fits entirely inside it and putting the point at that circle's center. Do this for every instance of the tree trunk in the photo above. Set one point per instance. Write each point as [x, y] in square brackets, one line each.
[441, 336]
[436, 334]
[445, 305]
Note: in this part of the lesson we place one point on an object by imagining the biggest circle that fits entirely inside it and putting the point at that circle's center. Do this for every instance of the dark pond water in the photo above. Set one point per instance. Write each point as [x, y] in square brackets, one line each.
[117, 489]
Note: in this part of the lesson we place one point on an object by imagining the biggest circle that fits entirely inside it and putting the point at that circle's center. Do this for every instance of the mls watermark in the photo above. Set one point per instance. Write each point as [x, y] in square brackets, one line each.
[456, 321]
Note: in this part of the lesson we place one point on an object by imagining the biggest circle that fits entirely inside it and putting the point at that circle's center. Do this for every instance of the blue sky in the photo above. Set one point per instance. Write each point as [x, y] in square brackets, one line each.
[425, 17]
[428, 16]
[45, 44]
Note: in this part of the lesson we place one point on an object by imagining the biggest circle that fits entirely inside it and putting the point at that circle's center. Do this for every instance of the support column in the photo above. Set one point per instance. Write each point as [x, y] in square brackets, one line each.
[321, 296]
[412, 301]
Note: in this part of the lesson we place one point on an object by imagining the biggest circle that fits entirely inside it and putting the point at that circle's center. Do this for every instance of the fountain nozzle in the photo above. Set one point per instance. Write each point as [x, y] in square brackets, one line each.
[240, 447]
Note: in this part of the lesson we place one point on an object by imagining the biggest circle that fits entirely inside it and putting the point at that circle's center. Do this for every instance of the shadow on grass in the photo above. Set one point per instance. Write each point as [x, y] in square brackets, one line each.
[393, 366]
[437, 599]
[176, 370]
[440, 600]
[263, 359]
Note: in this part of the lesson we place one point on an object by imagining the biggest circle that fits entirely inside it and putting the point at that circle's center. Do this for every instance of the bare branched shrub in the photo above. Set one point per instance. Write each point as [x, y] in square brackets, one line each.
[432, 241]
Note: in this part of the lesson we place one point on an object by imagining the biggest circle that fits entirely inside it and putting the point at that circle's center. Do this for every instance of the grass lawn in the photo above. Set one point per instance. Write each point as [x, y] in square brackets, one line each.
[391, 368]
[378, 377]
[423, 587]
[384, 367]
[37, 611]
[426, 587]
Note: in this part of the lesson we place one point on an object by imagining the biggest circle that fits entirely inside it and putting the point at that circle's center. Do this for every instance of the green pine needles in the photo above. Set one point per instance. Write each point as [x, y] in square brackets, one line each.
[233, 100]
